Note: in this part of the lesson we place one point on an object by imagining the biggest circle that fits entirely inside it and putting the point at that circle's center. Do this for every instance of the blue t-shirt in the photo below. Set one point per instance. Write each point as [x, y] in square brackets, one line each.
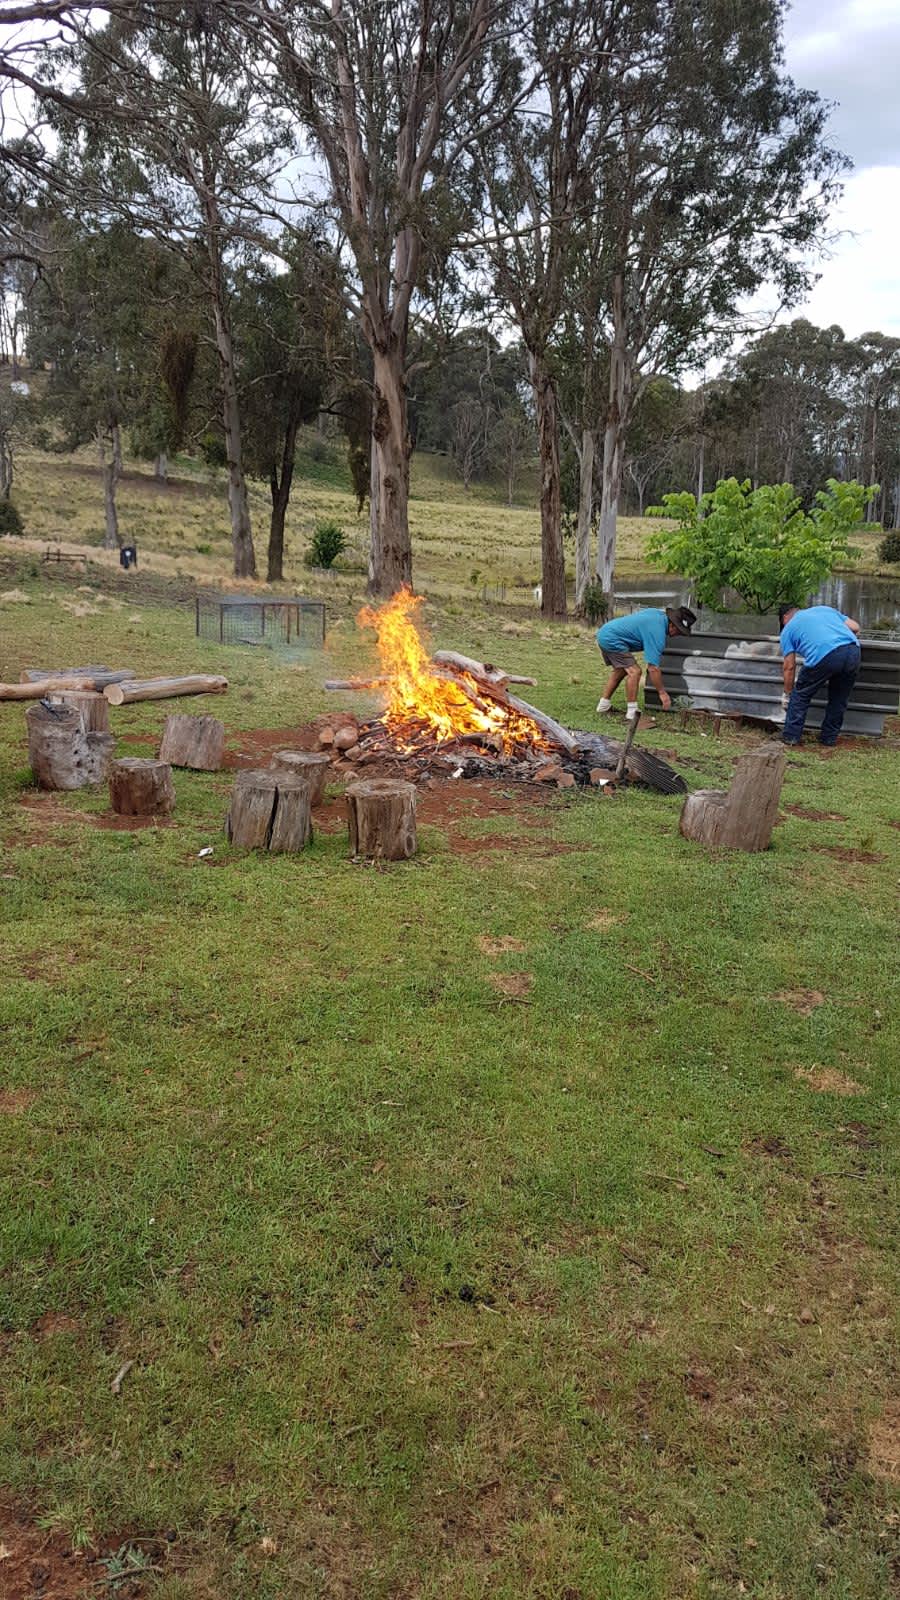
[643, 630]
[814, 632]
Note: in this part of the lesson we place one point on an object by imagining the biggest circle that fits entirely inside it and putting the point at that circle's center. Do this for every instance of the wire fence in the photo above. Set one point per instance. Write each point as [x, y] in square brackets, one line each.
[292, 623]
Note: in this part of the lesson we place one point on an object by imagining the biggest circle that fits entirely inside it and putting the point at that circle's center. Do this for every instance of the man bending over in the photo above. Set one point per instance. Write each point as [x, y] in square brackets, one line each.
[828, 643]
[645, 631]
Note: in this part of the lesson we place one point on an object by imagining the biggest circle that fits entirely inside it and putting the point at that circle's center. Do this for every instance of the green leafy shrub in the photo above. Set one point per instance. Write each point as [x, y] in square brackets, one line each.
[889, 548]
[328, 542]
[203, 549]
[595, 605]
[10, 520]
[759, 542]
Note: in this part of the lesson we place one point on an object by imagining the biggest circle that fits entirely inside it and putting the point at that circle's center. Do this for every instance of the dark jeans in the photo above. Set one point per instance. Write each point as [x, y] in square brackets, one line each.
[838, 669]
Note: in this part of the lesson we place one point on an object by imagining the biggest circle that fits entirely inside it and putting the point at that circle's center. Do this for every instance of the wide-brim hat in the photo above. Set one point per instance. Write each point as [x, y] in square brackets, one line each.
[681, 618]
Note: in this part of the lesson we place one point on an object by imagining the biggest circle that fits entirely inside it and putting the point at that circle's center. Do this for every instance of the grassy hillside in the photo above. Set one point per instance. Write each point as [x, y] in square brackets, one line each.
[462, 543]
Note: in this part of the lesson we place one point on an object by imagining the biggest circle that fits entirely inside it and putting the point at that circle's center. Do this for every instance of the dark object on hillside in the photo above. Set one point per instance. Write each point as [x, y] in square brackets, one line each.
[381, 816]
[194, 742]
[269, 811]
[241, 619]
[743, 818]
[62, 754]
[719, 672]
[141, 788]
[128, 556]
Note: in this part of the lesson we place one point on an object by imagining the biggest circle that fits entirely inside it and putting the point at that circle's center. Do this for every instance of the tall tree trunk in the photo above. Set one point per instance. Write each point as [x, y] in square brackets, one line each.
[111, 471]
[390, 556]
[617, 413]
[6, 465]
[701, 467]
[281, 494]
[553, 560]
[238, 503]
[585, 514]
[161, 467]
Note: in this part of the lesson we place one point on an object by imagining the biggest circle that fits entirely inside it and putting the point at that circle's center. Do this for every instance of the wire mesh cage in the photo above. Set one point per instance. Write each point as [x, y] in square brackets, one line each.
[282, 623]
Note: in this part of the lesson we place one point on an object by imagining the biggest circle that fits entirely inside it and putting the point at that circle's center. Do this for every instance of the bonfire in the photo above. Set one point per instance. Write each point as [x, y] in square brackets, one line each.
[446, 711]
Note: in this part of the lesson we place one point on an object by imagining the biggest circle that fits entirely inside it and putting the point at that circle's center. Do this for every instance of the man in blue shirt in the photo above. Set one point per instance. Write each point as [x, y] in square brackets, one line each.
[646, 631]
[828, 643]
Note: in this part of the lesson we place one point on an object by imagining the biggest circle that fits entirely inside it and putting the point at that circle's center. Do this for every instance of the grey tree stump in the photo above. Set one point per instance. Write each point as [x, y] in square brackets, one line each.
[194, 742]
[269, 811]
[381, 814]
[141, 788]
[61, 753]
[311, 765]
[742, 818]
[94, 707]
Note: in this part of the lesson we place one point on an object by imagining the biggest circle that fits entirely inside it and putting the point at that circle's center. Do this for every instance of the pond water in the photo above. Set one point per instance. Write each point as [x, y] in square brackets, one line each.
[874, 602]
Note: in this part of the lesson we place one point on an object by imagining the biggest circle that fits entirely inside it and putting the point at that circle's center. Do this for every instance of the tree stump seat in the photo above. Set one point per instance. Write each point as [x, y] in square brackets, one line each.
[62, 753]
[381, 815]
[742, 818]
[310, 765]
[269, 811]
[194, 742]
[141, 787]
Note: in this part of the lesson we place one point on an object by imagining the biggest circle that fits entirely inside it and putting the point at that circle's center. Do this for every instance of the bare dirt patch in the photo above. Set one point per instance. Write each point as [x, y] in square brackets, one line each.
[39, 1565]
[499, 946]
[514, 985]
[808, 815]
[53, 1322]
[865, 858]
[14, 1101]
[803, 1001]
[827, 1080]
[884, 1444]
[771, 1145]
[47, 812]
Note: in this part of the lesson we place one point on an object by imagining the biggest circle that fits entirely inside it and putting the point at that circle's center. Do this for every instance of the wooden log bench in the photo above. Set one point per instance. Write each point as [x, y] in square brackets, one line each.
[381, 815]
[197, 743]
[269, 811]
[742, 818]
[311, 765]
[141, 787]
[62, 753]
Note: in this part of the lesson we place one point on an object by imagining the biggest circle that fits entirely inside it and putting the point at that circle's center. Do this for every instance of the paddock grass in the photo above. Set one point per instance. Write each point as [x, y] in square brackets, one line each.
[433, 1293]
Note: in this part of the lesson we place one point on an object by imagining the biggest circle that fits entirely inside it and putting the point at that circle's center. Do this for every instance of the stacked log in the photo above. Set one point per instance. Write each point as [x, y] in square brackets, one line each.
[63, 755]
[125, 694]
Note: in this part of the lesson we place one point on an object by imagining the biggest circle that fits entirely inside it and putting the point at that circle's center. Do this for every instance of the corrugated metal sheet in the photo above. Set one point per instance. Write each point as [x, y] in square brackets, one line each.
[718, 672]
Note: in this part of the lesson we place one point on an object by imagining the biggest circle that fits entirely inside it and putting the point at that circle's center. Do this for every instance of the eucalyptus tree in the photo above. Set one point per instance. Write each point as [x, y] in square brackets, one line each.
[389, 98]
[716, 179]
[538, 174]
[159, 122]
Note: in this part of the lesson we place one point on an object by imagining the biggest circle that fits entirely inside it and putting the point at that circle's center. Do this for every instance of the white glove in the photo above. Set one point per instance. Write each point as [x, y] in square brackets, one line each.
[785, 700]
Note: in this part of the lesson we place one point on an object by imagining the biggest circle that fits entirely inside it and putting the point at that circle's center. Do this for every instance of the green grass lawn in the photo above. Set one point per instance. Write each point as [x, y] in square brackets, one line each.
[432, 1292]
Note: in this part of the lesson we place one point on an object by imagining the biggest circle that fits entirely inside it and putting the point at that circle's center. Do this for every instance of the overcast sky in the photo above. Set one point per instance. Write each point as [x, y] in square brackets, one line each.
[849, 51]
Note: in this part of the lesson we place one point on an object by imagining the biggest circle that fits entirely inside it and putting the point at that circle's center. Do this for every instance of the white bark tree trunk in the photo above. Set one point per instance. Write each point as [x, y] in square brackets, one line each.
[553, 561]
[238, 503]
[617, 414]
[585, 514]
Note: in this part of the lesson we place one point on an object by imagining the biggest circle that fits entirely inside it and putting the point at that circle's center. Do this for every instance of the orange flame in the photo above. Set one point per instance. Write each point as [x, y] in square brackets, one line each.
[418, 693]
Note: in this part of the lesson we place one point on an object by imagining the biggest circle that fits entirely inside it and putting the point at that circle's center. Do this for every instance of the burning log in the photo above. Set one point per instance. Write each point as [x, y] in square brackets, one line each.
[553, 730]
[481, 671]
[354, 683]
[381, 814]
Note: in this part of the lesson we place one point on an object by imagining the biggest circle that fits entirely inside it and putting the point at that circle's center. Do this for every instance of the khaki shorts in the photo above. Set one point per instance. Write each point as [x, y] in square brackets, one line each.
[618, 658]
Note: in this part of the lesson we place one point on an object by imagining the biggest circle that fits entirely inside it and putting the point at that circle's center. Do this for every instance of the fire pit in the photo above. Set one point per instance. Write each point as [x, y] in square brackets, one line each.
[449, 715]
